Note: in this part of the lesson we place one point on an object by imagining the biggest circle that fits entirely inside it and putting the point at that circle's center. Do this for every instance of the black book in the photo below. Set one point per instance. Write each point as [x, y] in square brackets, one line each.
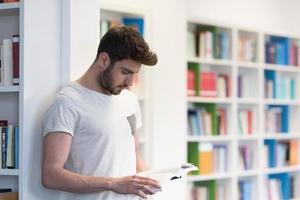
[3, 190]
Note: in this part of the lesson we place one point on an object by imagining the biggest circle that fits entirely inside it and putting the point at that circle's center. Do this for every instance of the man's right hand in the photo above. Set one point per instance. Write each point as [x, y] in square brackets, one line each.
[138, 185]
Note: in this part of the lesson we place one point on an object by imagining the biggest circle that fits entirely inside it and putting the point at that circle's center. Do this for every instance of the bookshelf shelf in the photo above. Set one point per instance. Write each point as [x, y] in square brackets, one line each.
[278, 170]
[248, 137]
[9, 172]
[9, 8]
[9, 89]
[219, 176]
[282, 136]
[248, 101]
[209, 100]
[215, 62]
[247, 173]
[282, 102]
[282, 68]
[250, 65]
[216, 138]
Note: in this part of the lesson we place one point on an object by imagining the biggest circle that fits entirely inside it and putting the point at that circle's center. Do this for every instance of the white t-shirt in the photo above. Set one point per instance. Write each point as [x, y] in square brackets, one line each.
[101, 126]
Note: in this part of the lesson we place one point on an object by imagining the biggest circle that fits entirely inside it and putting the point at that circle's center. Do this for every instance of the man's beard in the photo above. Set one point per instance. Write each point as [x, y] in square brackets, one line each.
[105, 81]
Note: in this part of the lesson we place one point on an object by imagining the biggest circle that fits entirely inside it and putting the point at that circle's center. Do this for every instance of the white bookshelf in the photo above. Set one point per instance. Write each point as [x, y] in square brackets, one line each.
[11, 96]
[115, 13]
[251, 67]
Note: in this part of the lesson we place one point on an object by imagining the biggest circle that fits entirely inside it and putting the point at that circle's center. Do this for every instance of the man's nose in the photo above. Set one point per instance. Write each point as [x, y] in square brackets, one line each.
[130, 80]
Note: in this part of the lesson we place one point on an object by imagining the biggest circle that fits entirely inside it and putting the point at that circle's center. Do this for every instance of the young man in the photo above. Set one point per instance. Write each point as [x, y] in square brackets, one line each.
[90, 149]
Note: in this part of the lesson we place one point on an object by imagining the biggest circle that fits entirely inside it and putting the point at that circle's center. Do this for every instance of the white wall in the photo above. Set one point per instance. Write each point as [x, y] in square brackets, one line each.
[266, 15]
[168, 91]
[80, 37]
[40, 67]
[45, 58]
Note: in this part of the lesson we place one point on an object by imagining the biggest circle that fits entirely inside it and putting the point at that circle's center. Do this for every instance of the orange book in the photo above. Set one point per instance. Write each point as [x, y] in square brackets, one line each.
[293, 152]
[205, 158]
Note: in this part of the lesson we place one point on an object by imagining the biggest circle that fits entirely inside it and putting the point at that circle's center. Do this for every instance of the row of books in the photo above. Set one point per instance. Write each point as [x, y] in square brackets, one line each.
[210, 158]
[281, 153]
[210, 84]
[136, 22]
[245, 190]
[247, 49]
[206, 120]
[9, 61]
[277, 119]
[9, 140]
[282, 50]
[278, 86]
[245, 157]
[8, 1]
[245, 122]
[208, 190]
[279, 187]
[209, 43]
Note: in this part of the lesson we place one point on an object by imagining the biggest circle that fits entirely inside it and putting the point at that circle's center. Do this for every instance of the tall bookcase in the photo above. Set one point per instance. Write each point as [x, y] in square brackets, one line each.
[243, 107]
[111, 15]
[10, 96]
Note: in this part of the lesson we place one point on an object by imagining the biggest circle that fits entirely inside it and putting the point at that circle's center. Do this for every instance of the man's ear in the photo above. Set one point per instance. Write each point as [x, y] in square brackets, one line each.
[103, 60]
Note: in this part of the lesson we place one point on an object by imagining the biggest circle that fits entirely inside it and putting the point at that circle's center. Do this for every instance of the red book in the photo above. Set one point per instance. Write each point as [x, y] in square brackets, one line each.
[208, 84]
[191, 83]
[3, 123]
[250, 128]
[16, 47]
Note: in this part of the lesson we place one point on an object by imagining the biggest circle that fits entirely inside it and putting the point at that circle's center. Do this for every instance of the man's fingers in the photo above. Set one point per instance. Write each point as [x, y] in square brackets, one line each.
[141, 194]
[147, 181]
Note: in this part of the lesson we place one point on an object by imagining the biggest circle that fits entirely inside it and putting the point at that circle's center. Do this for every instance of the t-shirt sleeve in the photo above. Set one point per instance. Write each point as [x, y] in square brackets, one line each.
[60, 117]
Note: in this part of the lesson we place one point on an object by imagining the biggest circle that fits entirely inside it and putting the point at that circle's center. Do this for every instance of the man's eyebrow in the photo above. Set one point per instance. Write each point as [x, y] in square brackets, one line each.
[129, 71]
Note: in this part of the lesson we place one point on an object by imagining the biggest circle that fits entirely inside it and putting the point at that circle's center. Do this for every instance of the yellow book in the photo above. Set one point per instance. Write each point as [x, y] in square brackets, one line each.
[205, 158]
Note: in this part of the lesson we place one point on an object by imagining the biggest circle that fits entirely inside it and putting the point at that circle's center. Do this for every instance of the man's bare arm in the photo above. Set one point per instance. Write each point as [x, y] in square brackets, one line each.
[56, 148]
[140, 163]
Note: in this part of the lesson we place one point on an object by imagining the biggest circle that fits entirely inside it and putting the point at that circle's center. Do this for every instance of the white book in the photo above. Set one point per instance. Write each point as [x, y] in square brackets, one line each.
[191, 44]
[2, 65]
[221, 86]
[7, 62]
[10, 147]
[0, 147]
[169, 174]
[274, 189]
[202, 193]
[209, 45]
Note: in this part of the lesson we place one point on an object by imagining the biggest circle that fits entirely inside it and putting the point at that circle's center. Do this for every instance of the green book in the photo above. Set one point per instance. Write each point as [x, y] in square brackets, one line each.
[211, 186]
[193, 155]
[196, 68]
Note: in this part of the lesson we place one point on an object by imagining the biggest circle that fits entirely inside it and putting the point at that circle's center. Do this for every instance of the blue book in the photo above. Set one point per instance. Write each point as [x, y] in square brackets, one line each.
[136, 22]
[224, 45]
[16, 132]
[270, 75]
[282, 49]
[271, 144]
[284, 117]
[284, 178]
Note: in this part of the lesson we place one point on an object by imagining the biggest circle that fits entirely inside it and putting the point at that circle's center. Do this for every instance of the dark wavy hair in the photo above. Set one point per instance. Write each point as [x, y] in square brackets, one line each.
[125, 42]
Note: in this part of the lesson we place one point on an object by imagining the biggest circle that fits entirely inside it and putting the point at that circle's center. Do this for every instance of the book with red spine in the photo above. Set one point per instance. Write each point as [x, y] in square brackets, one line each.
[16, 67]
[208, 84]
